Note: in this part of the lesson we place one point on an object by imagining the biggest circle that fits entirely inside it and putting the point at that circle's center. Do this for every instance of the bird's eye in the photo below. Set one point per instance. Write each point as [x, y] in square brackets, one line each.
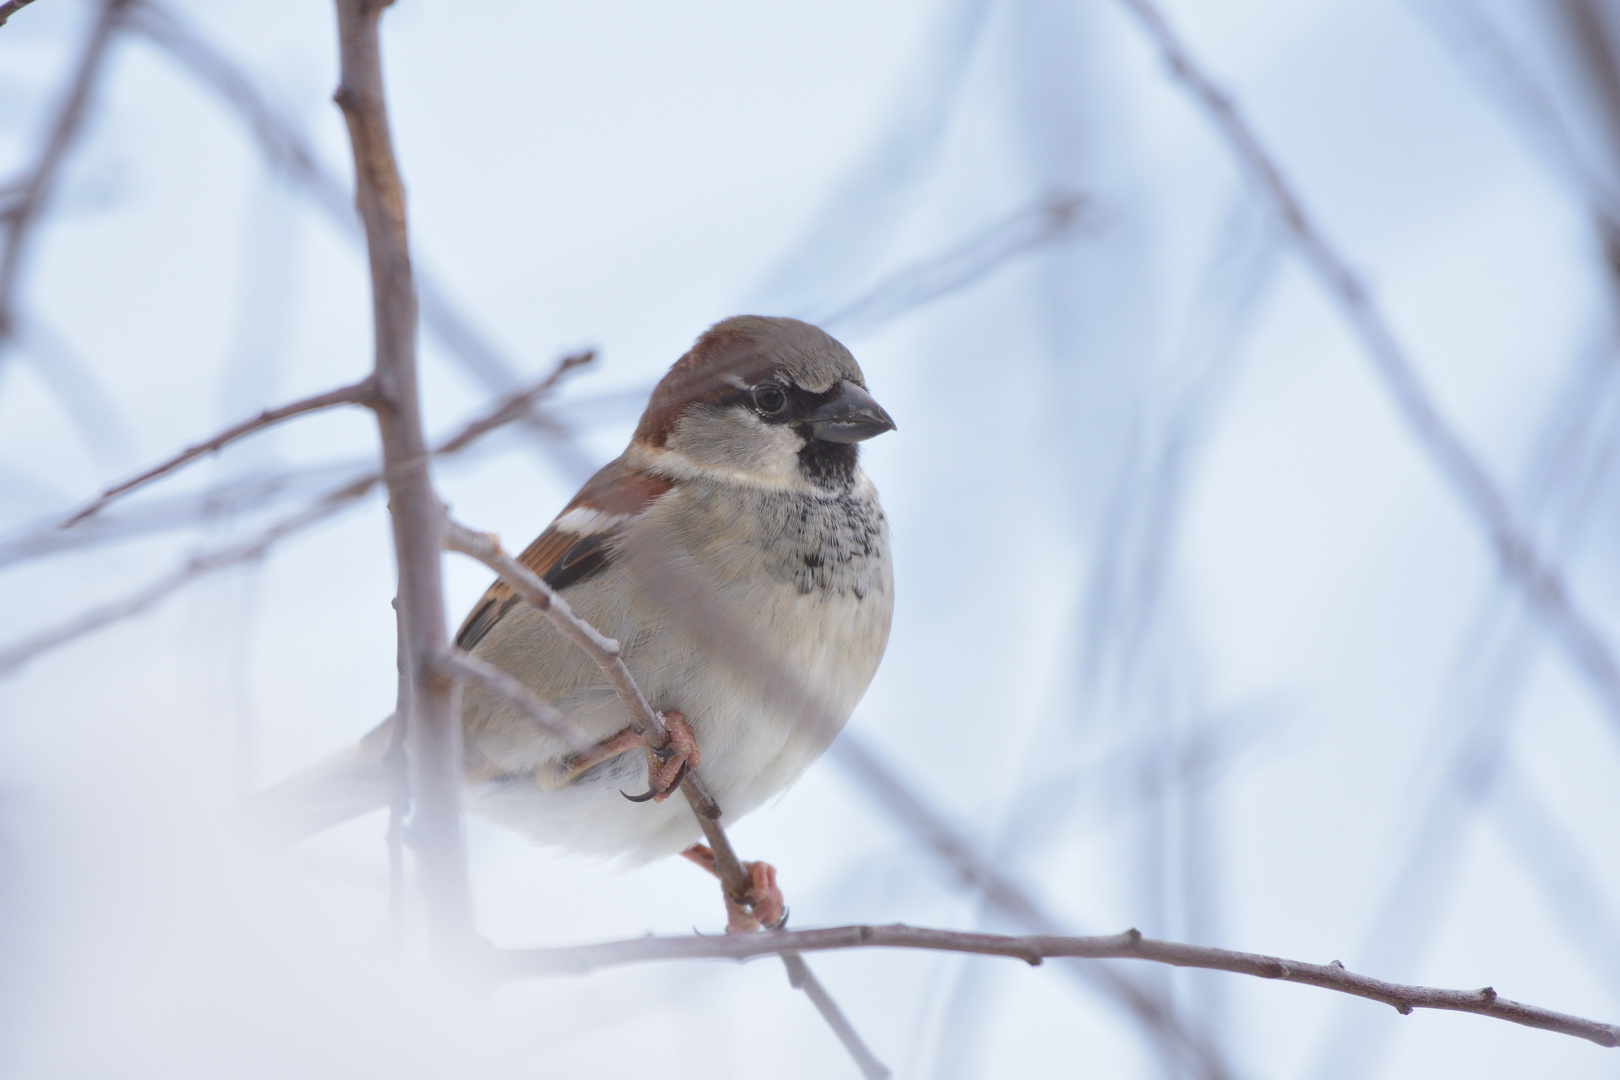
[770, 400]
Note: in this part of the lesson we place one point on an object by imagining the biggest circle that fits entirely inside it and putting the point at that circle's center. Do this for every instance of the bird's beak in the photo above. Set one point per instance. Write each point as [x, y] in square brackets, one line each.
[851, 417]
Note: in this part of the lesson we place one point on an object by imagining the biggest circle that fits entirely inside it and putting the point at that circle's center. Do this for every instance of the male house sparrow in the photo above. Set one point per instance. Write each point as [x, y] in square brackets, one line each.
[739, 555]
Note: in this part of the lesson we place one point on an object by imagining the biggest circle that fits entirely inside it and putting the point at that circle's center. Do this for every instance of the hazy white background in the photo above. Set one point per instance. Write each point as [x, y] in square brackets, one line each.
[1189, 630]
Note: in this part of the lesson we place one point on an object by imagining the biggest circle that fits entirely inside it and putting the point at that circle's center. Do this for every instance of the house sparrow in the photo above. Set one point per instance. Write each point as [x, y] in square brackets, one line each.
[740, 557]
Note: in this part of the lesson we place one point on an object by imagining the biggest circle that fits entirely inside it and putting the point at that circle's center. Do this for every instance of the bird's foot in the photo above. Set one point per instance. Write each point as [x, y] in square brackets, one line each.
[760, 908]
[666, 768]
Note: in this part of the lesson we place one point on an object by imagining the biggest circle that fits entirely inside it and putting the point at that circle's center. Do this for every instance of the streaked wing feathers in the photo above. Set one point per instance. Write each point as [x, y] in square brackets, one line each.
[576, 546]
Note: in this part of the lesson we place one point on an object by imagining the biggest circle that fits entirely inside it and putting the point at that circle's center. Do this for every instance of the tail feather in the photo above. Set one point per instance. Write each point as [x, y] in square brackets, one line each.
[345, 786]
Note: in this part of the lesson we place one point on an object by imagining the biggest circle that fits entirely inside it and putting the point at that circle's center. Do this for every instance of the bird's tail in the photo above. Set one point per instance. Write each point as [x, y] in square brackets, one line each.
[346, 785]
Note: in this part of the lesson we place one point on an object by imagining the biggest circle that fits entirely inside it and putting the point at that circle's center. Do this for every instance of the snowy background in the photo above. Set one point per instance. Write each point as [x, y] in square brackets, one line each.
[1192, 634]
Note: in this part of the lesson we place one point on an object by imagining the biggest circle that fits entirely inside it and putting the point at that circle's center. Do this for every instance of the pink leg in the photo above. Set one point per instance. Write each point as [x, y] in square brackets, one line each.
[761, 908]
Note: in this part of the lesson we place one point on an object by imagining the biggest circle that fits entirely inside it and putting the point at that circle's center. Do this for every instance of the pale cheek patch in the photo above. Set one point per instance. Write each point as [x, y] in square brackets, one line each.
[583, 521]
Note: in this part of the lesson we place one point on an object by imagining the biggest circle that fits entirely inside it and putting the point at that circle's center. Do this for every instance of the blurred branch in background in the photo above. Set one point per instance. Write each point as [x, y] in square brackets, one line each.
[1128, 655]
[1521, 560]
[23, 204]
[1032, 949]
[289, 153]
[186, 510]
[101, 424]
[27, 199]
[1572, 455]
[359, 393]
[16, 655]
[954, 852]
[1052, 217]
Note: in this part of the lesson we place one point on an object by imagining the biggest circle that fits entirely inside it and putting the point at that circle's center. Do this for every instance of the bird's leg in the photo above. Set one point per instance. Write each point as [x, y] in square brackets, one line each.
[574, 765]
[761, 907]
[666, 768]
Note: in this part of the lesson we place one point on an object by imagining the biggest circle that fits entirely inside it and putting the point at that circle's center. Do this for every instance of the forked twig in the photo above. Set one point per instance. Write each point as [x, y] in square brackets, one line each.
[1034, 948]
[16, 655]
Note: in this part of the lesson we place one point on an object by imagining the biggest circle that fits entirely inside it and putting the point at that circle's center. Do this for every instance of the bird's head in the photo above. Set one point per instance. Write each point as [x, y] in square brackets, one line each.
[768, 401]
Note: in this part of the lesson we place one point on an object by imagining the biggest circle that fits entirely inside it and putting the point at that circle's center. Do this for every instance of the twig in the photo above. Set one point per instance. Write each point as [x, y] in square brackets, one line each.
[10, 8]
[1520, 559]
[17, 655]
[324, 507]
[1033, 948]
[646, 722]
[464, 667]
[965, 263]
[23, 214]
[603, 650]
[357, 394]
[520, 405]
[1011, 901]
[433, 730]
[800, 977]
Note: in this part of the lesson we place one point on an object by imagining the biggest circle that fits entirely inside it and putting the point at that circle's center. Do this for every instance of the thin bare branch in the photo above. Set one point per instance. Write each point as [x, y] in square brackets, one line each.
[243, 495]
[10, 8]
[192, 569]
[603, 650]
[520, 405]
[357, 394]
[256, 492]
[1034, 948]
[22, 216]
[1521, 560]
[646, 722]
[464, 667]
[14, 656]
[971, 260]
[802, 978]
[1011, 901]
[433, 729]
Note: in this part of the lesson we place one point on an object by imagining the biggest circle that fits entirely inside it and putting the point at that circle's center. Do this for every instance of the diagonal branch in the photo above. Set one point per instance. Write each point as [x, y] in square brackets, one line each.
[359, 393]
[965, 263]
[15, 656]
[1539, 580]
[1012, 902]
[21, 217]
[465, 667]
[1034, 948]
[603, 650]
[646, 722]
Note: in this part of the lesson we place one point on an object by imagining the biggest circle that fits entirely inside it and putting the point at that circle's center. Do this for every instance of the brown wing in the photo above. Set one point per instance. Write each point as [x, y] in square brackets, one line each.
[575, 546]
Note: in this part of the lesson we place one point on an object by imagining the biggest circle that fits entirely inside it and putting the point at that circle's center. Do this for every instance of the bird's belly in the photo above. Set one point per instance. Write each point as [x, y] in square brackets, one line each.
[766, 675]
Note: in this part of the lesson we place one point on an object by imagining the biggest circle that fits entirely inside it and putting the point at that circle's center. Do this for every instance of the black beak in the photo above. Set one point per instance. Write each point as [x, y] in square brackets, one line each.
[851, 417]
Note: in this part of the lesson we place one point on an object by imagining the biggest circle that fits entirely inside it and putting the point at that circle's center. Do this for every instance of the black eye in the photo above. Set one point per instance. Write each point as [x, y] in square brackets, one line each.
[770, 400]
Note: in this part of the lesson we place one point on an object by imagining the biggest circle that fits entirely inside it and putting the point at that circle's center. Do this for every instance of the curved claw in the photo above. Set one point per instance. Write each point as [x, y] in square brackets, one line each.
[680, 774]
[654, 794]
